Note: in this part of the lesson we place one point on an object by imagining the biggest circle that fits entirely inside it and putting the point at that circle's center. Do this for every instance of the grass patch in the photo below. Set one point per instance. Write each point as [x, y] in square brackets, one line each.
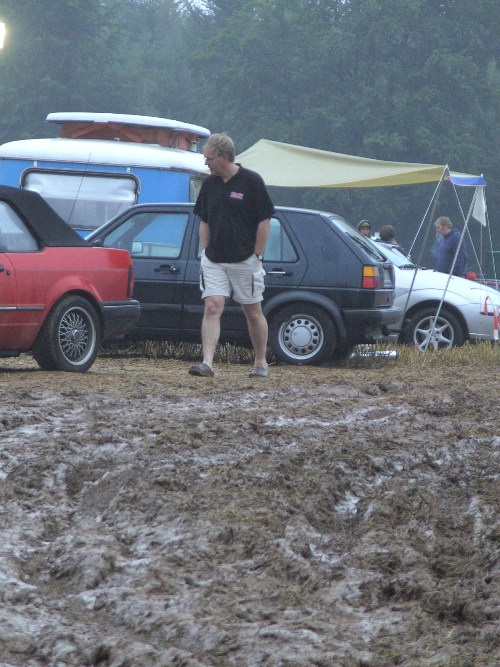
[155, 349]
[365, 356]
[480, 354]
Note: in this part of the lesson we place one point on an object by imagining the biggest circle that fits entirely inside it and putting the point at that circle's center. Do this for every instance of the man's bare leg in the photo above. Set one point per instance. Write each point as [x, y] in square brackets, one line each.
[258, 330]
[210, 328]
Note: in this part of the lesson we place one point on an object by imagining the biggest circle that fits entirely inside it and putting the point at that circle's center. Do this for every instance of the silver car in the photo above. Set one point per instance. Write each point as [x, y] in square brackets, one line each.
[468, 310]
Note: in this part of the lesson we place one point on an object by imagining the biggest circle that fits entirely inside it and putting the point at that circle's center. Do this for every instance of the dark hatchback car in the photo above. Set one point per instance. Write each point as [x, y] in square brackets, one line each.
[327, 288]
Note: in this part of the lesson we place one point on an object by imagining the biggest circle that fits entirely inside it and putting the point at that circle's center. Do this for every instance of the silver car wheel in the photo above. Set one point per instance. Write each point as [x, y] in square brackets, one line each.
[77, 336]
[302, 334]
[445, 333]
[301, 337]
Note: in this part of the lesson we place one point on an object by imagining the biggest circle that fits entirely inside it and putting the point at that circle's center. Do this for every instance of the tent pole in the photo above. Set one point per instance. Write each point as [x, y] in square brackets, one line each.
[471, 208]
[466, 228]
[432, 203]
[490, 240]
[466, 223]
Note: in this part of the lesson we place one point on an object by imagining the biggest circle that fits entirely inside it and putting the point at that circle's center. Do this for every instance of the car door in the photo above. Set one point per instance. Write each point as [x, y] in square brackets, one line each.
[285, 262]
[156, 239]
[8, 301]
[21, 281]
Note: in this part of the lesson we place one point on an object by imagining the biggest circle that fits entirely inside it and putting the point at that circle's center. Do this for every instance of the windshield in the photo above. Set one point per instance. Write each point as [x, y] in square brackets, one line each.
[395, 256]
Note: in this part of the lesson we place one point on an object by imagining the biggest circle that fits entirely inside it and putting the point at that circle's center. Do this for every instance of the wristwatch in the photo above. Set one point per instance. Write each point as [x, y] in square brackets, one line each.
[259, 257]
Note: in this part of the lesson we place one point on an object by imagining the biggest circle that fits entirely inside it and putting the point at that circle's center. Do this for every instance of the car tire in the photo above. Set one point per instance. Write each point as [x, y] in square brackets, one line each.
[302, 334]
[70, 337]
[448, 331]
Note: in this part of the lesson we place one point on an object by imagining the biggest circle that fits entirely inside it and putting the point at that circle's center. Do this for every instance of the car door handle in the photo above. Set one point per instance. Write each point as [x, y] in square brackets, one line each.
[278, 272]
[167, 268]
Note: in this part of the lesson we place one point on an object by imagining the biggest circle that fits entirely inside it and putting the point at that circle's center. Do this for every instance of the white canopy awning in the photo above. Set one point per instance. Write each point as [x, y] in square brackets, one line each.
[286, 165]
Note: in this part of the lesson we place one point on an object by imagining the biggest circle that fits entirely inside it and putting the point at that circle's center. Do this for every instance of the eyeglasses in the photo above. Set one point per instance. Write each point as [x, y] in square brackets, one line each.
[210, 158]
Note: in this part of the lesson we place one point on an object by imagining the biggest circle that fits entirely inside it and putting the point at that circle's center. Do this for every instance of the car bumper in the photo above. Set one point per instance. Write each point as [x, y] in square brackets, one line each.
[371, 324]
[119, 318]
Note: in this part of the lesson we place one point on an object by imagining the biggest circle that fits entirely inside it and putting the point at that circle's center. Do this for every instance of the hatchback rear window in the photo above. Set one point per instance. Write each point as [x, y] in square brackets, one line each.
[358, 238]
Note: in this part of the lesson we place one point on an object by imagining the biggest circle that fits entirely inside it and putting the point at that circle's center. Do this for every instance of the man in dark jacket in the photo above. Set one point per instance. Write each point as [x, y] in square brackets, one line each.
[452, 245]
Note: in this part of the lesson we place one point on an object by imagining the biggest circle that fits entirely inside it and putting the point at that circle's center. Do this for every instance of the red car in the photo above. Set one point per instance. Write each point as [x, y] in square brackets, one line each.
[59, 296]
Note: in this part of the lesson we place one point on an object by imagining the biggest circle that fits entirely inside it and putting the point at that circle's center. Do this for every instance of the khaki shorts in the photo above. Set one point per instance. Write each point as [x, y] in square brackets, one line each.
[244, 280]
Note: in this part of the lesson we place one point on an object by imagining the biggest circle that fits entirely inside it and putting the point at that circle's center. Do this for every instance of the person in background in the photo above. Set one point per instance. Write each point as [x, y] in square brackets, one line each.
[451, 244]
[365, 228]
[387, 234]
[235, 209]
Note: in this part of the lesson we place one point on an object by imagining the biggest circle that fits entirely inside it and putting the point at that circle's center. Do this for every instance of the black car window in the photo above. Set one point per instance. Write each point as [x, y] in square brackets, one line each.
[150, 234]
[279, 247]
[367, 245]
[14, 235]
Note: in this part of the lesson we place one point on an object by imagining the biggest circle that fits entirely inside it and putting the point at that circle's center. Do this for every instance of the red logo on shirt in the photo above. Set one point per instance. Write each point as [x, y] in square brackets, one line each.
[236, 195]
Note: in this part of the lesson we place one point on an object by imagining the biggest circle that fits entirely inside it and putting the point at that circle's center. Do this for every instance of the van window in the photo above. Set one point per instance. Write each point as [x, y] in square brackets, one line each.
[85, 201]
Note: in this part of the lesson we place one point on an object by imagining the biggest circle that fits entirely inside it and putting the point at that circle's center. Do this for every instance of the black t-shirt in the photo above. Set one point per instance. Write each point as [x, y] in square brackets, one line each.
[233, 211]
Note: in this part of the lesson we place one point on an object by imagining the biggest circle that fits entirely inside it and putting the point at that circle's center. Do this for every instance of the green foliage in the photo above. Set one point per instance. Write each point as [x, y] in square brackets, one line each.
[409, 80]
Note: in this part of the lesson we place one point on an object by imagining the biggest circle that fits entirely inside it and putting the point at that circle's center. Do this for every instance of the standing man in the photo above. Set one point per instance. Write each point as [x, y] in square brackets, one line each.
[451, 244]
[235, 210]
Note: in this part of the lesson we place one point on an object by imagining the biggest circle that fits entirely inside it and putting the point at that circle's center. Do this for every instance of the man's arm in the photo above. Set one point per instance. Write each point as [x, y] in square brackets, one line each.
[204, 234]
[262, 236]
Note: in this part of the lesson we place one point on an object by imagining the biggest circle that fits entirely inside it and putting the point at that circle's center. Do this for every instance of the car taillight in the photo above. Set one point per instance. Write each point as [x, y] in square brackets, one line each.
[130, 283]
[371, 277]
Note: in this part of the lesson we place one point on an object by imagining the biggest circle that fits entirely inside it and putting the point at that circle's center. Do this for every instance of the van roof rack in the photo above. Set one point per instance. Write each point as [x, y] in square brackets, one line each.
[129, 128]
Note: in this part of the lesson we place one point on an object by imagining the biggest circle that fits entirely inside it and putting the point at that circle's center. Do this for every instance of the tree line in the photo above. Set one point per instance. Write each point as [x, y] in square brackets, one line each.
[402, 80]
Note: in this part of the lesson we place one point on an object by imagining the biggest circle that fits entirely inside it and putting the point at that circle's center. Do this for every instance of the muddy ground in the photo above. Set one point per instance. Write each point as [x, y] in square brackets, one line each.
[336, 517]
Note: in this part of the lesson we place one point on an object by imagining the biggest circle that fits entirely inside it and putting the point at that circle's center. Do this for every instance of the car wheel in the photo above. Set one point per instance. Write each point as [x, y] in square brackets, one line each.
[302, 334]
[421, 331]
[70, 337]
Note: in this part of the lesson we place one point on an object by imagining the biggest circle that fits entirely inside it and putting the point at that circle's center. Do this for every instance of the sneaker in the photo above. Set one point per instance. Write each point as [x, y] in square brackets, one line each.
[259, 372]
[201, 370]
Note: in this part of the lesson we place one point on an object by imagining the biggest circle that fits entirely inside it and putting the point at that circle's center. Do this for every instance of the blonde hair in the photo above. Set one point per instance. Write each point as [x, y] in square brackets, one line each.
[221, 144]
[444, 221]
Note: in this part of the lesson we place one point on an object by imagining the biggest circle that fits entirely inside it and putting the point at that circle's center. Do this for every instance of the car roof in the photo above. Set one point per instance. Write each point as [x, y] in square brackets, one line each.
[41, 218]
[191, 205]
